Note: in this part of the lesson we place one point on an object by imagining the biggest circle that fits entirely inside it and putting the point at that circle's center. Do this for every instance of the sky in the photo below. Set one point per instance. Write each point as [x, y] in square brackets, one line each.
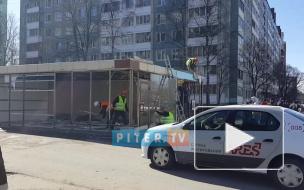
[289, 17]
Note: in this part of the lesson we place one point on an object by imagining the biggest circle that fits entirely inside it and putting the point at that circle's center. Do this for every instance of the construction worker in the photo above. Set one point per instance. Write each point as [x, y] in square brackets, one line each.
[191, 63]
[104, 109]
[120, 107]
[167, 117]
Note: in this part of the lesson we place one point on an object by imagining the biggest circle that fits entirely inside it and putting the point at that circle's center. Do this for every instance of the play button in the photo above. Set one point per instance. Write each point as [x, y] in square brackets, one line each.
[235, 138]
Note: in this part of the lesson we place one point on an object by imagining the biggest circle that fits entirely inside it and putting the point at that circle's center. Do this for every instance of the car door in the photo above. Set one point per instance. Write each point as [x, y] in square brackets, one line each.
[267, 133]
[207, 140]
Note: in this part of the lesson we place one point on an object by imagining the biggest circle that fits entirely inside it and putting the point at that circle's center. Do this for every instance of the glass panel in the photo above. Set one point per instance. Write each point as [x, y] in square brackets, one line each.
[63, 100]
[100, 93]
[16, 113]
[119, 82]
[81, 100]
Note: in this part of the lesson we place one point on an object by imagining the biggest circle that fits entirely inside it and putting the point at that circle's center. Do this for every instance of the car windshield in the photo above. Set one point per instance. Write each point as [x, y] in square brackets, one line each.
[295, 114]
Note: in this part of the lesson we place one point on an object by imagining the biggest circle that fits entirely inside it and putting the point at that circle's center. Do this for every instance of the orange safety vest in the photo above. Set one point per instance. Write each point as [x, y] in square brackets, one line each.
[106, 104]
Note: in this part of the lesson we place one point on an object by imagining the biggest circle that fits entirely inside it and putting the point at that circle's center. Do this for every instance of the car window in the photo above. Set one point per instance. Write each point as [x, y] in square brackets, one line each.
[255, 121]
[210, 121]
[295, 114]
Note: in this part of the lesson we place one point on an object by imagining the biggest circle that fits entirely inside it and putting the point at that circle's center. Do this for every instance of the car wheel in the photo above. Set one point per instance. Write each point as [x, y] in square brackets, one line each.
[291, 176]
[162, 157]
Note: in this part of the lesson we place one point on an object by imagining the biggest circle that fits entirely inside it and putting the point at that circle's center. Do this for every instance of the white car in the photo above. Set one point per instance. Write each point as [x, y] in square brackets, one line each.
[263, 154]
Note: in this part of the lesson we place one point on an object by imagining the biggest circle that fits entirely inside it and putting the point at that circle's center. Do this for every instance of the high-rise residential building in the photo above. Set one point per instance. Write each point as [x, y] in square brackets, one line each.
[215, 31]
[3, 27]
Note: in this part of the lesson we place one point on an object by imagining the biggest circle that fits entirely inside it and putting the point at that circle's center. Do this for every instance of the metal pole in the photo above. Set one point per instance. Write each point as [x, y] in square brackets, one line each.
[130, 96]
[110, 83]
[54, 100]
[23, 100]
[9, 101]
[138, 100]
[90, 106]
[72, 95]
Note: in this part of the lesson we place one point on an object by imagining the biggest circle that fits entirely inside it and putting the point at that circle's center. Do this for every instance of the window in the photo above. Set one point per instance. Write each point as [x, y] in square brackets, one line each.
[58, 32]
[160, 19]
[210, 121]
[241, 5]
[47, 47]
[177, 35]
[161, 37]
[58, 17]
[34, 17]
[34, 32]
[126, 22]
[144, 19]
[48, 3]
[93, 43]
[93, 57]
[58, 46]
[160, 55]
[241, 23]
[161, 2]
[177, 17]
[57, 60]
[144, 54]
[255, 121]
[108, 56]
[47, 60]
[197, 12]
[48, 18]
[240, 74]
[36, 4]
[113, 6]
[58, 2]
[176, 54]
[48, 32]
[94, 12]
[126, 55]
[106, 41]
[142, 3]
[127, 39]
[69, 31]
[241, 40]
[143, 37]
[81, 12]
[128, 4]
[195, 51]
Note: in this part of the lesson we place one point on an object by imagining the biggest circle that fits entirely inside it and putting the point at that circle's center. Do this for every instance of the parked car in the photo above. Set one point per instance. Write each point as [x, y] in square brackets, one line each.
[265, 152]
[3, 177]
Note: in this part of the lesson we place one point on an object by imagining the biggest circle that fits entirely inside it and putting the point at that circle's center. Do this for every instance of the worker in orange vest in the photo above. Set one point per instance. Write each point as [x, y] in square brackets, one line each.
[104, 109]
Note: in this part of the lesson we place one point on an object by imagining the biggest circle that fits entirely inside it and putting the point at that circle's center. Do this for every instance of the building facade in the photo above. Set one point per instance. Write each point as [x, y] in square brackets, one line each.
[214, 31]
[3, 28]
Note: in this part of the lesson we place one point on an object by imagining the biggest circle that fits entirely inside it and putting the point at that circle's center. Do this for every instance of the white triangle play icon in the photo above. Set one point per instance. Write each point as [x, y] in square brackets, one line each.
[235, 138]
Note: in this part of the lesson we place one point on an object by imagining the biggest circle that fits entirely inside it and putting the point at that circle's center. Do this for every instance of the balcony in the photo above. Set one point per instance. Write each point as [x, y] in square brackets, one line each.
[32, 25]
[33, 39]
[32, 10]
[32, 54]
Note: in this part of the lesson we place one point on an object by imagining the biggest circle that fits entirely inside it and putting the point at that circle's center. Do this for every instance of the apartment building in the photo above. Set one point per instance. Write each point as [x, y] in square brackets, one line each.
[119, 29]
[151, 29]
[3, 28]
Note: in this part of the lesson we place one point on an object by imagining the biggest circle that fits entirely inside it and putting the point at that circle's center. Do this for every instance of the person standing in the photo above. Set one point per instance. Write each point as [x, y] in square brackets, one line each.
[3, 177]
[293, 106]
[280, 102]
[121, 108]
[264, 102]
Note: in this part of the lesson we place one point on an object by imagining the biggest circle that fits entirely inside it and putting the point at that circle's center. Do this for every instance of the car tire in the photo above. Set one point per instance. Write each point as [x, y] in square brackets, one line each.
[291, 176]
[162, 157]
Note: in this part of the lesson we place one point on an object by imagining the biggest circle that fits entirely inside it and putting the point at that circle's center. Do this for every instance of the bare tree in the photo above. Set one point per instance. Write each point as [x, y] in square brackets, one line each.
[223, 73]
[256, 64]
[279, 73]
[208, 22]
[10, 45]
[84, 19]
[177, 19]
[294, 81]
[112, 25]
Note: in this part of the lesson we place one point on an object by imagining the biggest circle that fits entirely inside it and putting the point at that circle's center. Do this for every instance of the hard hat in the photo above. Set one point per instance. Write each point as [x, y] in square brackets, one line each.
[96, 103]
[196, 60]
[124, 92]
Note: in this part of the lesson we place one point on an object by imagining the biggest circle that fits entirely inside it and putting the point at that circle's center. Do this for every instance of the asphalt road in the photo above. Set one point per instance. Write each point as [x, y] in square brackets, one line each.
[36, 162]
